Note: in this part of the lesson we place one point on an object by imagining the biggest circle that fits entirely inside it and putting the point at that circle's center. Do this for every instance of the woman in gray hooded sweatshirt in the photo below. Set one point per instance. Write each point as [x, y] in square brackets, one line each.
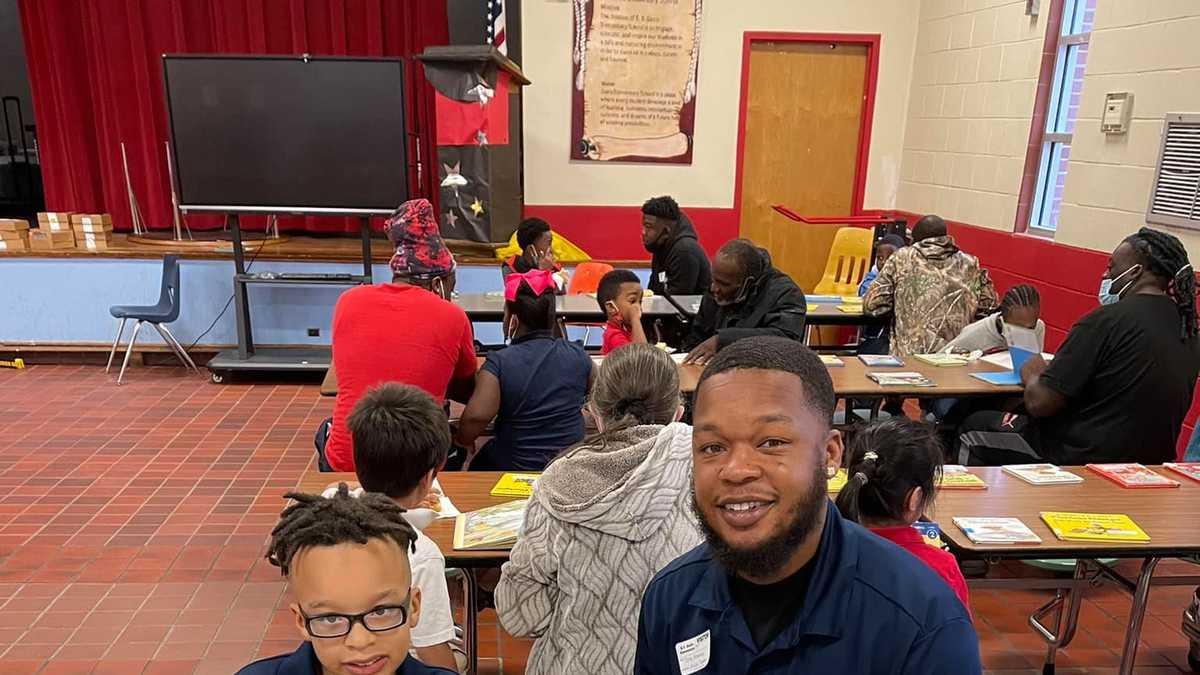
[606, 516]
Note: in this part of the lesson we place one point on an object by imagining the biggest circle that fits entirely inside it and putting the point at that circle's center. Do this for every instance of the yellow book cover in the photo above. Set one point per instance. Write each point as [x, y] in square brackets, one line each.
[812, 307]
[837, 482]
[852, 299]
[850, 309]
[495, 527]
[942, 360]
[956, 477]
[1093, 527]
[515, 485]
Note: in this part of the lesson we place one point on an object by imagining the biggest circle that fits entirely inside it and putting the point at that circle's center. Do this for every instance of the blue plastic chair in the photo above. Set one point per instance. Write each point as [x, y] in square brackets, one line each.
[166, 311]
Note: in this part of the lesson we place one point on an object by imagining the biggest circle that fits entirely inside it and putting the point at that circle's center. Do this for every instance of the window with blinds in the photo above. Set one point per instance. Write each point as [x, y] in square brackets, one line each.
[1175, 195]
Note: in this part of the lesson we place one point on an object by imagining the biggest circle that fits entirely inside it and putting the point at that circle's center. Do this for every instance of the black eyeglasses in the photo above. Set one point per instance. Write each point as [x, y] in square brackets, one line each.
[377, 620]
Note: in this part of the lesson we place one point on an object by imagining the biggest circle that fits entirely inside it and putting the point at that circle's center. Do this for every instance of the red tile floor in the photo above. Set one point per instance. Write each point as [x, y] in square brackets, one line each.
[135, 518]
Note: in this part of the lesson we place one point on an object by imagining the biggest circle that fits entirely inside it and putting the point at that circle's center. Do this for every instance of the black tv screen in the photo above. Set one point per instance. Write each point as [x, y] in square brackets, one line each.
[287, 134]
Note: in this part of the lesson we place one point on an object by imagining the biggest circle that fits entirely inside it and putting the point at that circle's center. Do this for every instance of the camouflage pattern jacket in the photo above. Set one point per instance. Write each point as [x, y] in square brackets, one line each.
[934, 291]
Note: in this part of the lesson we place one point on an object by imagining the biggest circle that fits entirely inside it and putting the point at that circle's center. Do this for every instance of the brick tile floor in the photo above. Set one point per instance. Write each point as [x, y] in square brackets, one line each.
[134, 519]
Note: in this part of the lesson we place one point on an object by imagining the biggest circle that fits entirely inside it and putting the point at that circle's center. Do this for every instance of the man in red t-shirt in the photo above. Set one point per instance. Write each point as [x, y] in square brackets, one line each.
[406, 331]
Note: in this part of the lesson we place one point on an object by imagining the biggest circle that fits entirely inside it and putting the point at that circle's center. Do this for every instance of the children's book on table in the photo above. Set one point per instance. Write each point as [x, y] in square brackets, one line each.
[1042, 474]
[1189, 469]
[515, 485]
[493, 528]
[901, 379]
[1094, 527]
[989, 530]
[1131, 475]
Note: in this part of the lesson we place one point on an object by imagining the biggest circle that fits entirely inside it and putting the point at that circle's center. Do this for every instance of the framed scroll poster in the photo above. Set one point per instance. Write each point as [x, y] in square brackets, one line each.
[633, 91]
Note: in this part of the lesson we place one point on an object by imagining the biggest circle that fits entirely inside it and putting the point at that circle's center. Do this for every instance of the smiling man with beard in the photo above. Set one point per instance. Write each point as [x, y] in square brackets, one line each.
[783, 583]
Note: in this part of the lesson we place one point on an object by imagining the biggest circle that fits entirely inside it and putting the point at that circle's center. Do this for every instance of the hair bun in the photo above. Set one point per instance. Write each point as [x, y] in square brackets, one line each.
[634, 407]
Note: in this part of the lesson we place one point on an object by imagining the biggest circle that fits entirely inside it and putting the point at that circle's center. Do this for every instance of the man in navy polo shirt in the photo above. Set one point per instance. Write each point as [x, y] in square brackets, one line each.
[783, 583]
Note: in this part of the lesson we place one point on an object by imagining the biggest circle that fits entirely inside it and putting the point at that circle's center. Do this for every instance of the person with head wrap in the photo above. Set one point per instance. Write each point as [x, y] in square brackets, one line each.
[405, 331]
[534, 388]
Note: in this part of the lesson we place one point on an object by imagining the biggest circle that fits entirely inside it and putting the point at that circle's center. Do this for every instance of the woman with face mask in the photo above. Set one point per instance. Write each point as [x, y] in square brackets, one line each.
[1016, 324]
[534, 388]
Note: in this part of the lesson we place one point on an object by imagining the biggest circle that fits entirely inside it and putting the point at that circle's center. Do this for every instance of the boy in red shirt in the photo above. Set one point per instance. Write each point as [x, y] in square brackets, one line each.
[893, 470]
[406, 331]
[620, 298]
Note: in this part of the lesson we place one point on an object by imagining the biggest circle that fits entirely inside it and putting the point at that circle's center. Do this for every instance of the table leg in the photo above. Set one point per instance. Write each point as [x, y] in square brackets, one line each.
[471, 619]
[1066, 605]
[1137, 612]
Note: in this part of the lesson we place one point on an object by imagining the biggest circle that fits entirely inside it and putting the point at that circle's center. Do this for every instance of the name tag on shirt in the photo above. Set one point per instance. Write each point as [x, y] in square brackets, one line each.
[693, 654]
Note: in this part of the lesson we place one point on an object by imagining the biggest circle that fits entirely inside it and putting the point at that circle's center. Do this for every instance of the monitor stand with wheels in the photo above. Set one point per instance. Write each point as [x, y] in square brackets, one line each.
[247, 357]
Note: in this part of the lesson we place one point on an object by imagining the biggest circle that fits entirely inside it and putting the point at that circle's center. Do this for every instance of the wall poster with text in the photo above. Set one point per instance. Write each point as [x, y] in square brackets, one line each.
[633, 94]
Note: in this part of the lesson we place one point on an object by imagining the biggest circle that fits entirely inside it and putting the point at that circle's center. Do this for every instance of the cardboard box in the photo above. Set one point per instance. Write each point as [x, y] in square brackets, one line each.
[54, 218]
[19, 235]
[92, 218]
[46, 240]
[13, 225]
[94, 242]
[92, 227]
[7, 245]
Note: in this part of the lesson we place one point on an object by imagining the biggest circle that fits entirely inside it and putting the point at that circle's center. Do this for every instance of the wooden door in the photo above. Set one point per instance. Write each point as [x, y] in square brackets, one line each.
[804, 105]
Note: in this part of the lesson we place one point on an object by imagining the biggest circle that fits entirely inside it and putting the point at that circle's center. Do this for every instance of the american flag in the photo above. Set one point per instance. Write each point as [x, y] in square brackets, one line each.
[496, 21]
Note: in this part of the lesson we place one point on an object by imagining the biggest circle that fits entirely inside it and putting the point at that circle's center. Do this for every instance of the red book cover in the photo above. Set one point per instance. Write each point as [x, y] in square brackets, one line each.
[1189, 469]
[1133, 476]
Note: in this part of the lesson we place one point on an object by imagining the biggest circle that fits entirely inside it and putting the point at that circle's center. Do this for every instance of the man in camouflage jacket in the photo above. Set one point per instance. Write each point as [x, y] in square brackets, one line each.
[933, 289]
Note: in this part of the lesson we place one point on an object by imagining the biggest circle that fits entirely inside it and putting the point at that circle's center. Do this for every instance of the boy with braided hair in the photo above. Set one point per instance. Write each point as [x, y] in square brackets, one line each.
[346, 562]
[1121, 384]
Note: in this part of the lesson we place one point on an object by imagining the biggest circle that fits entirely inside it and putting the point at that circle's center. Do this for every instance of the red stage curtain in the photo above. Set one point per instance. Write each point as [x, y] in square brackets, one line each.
[95, 69]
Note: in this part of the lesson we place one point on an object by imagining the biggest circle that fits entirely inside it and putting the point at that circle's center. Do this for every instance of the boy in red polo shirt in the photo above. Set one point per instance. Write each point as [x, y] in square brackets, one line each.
[406, 331]
[620, 298]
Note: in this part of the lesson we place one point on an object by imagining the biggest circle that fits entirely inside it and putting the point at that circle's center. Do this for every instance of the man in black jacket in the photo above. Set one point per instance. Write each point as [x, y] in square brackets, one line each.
[748, 297]
[677, 264]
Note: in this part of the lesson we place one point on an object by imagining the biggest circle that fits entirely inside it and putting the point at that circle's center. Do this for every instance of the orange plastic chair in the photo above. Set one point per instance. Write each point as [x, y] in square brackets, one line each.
[849, 260]
[586, 278]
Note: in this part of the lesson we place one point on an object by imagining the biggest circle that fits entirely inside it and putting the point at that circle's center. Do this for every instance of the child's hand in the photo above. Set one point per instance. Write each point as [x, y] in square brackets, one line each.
[632, 314]
[547, 261]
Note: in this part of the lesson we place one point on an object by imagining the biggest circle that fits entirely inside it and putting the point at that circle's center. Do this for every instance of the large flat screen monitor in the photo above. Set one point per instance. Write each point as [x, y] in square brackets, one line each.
[287, 134]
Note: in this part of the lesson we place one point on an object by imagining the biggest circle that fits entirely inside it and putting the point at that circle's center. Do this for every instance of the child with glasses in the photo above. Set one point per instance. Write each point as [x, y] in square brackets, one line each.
[346, 562]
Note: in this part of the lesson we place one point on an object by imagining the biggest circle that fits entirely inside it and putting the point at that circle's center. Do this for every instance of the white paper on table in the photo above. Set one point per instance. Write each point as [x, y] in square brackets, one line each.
[448, 509]
[1004, 359]
[679, 357]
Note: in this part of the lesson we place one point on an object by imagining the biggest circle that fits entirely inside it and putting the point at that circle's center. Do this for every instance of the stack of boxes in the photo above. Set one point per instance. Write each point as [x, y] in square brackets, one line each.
[53, 232]
[92, 231]
[14, 235]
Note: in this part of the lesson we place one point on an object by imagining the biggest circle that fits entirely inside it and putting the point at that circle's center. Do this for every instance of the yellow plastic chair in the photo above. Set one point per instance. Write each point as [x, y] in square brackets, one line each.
[849, 260]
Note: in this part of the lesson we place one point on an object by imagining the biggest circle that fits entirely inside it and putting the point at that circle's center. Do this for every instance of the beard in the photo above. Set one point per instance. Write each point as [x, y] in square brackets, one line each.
[768, 557]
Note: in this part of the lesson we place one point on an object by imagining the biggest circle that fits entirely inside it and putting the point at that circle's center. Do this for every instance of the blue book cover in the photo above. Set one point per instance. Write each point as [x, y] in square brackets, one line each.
[1005, 378]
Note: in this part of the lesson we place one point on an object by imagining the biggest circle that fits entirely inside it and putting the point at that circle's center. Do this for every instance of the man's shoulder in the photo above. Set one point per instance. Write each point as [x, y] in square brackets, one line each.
[683, 572]
[890, 575]
[299, 662]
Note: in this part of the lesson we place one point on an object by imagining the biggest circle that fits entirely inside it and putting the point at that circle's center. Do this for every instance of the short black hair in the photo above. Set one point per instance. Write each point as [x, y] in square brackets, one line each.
[610, 285]
[314, 520]
[400, 434]
[893, 240]
[929, 227]
[529, 230]
[535, 312]
[662, 207]
[887, 459]
[751, 259]
[765, 352]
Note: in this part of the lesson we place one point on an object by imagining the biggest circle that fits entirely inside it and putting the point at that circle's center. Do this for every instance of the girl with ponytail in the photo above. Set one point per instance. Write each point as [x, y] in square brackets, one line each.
[606, 516]
[893, 469]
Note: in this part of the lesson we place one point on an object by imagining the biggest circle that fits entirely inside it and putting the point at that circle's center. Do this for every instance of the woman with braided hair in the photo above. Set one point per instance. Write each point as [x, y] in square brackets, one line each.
[604, 518]
[1120, 385]
[346, 562]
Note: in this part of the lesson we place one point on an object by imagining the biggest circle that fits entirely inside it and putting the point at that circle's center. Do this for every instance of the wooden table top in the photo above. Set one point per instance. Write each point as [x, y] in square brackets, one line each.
[849, 380]
[469, 490]
[1168, 515]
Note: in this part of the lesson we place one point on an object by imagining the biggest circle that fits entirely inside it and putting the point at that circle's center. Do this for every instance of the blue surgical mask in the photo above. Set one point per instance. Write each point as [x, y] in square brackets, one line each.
[1106, 295]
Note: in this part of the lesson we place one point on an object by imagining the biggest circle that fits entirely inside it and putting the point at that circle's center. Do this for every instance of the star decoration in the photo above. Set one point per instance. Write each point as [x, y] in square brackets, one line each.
[476, 207]
[451, 219]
